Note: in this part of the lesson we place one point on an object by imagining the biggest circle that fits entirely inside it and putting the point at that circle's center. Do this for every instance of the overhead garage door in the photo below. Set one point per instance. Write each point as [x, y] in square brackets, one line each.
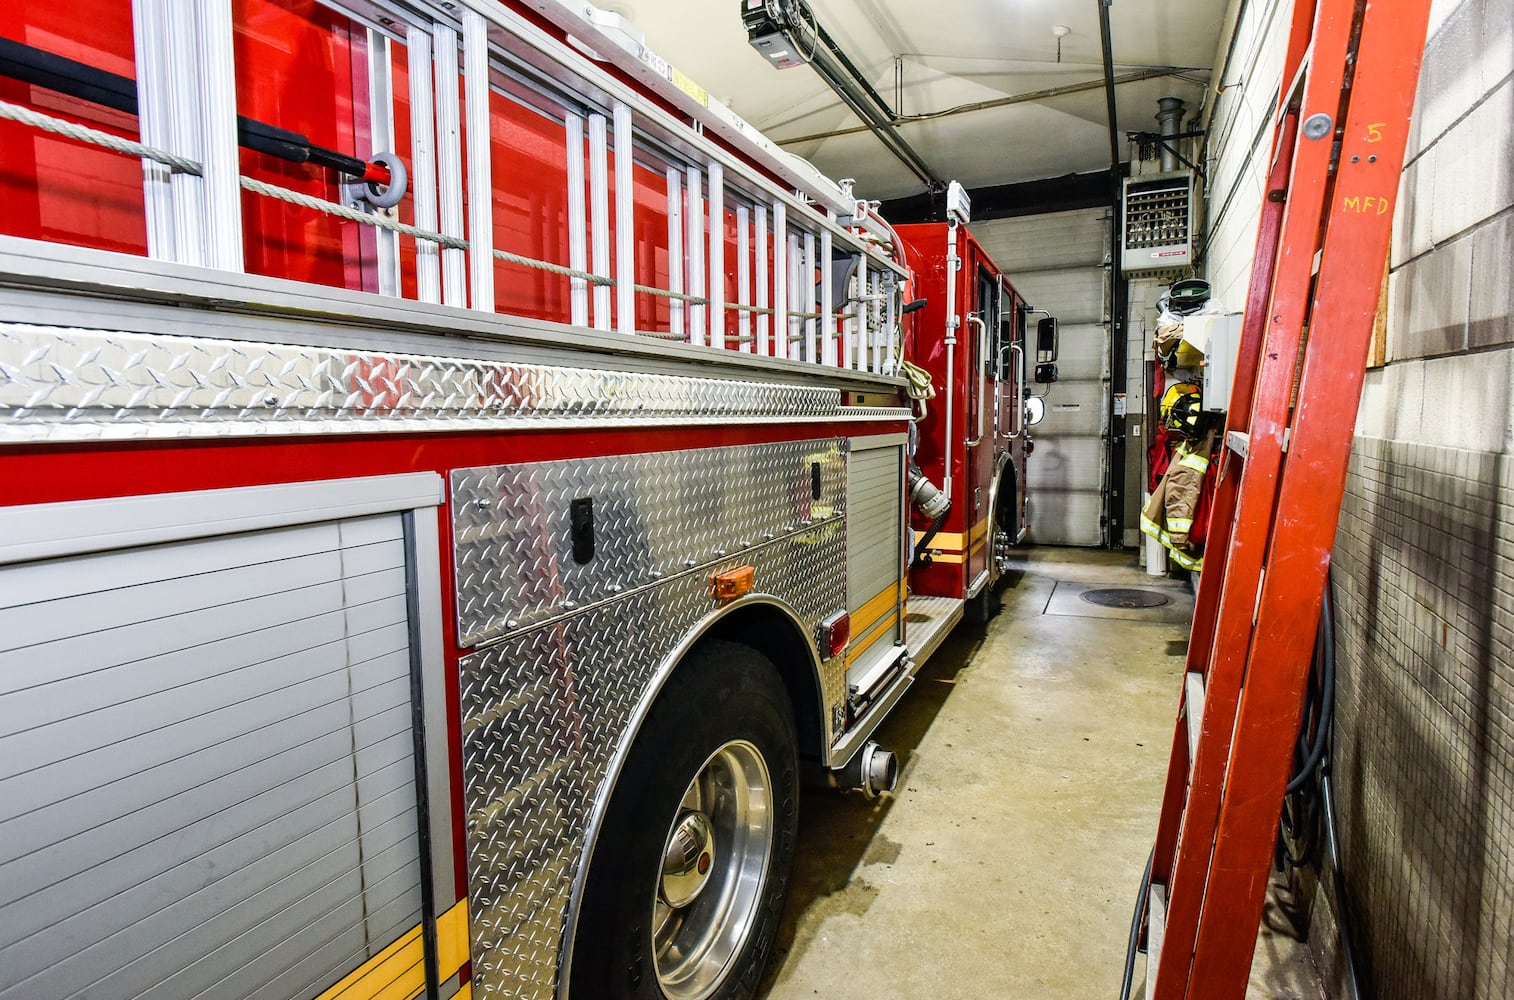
[1056, 262]
[207, 764]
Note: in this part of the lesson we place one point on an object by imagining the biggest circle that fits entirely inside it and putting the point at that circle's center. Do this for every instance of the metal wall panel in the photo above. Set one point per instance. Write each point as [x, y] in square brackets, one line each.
[1055, 240]
[207, 759]
[546, 708]
[1056, 261]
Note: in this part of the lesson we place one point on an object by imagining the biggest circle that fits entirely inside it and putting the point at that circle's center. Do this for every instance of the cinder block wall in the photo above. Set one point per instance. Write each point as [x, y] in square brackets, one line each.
[1424, 559]
[1425, 551]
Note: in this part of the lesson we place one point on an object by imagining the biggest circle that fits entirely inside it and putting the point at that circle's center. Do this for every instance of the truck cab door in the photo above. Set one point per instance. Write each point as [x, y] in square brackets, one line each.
[983, 420]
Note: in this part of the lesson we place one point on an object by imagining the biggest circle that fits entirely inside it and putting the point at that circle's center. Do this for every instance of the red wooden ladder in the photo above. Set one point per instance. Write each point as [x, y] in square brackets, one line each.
[1340, 130]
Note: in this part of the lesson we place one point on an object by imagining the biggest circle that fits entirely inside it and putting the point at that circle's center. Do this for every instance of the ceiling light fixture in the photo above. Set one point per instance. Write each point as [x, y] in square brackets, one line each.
[1061, 31]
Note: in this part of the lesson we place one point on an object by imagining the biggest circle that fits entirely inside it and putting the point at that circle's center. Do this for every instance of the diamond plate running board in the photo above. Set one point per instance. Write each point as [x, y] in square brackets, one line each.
[927, 623]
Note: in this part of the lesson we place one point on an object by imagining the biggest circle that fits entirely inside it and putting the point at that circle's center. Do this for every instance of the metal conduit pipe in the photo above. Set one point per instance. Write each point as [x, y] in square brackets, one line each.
[1109, 102]
[952, 322]
[1169, 119]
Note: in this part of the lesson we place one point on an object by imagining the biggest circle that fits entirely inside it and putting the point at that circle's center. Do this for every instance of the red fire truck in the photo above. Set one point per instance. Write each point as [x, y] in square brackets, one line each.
[453, 489]
[971, 339]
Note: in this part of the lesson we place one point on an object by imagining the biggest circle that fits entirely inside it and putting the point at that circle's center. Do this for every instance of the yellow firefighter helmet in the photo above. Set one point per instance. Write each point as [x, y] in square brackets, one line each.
[1182, 408]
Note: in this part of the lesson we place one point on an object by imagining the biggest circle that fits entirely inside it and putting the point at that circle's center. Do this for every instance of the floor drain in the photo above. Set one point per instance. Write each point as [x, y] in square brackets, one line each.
[1121, 597]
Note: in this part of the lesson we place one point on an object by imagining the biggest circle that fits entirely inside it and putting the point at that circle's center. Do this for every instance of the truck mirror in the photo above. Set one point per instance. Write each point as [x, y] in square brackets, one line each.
[1035, 410]
[1046, 351]
[1046, 340]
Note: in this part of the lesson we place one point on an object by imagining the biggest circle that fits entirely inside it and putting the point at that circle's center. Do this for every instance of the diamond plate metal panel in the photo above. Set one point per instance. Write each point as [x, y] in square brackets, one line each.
[61, 384]
[544, 711]
[654, 515]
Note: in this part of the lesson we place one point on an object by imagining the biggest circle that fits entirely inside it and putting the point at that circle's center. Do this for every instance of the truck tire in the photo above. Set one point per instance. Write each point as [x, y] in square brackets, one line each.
[1002, 531]
[688, 880]
[982, 606]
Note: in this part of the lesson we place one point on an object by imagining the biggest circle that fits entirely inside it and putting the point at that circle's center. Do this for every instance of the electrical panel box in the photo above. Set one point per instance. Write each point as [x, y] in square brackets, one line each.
[1158, 222]
[1219, 338]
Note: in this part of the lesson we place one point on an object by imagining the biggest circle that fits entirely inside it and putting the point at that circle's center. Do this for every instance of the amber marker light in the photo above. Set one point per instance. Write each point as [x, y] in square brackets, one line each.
[732, 583]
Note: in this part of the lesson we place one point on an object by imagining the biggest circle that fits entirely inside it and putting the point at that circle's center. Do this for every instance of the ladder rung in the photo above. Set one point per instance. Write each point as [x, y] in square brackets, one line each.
[1240, 441]
[1156, 927]
[1193, 709]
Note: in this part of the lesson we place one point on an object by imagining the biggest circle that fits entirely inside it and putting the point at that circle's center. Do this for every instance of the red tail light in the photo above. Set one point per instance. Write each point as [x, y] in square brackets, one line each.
[835, 633]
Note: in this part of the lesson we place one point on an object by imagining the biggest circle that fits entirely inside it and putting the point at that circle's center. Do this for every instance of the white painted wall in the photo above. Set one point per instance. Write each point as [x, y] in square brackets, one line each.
[1240, 142]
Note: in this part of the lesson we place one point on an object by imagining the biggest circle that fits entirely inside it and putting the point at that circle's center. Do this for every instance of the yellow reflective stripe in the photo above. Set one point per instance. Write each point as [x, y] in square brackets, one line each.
[452, 940]
[856, 649]
[952, 541]
[874, 608]
[1194, 462]
[1185, 560]
[398, 972]
[1179, 523]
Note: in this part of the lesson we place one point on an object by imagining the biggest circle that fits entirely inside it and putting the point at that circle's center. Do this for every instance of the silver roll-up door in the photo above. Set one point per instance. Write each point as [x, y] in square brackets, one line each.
[1056, 261]
[207, 765]
[874, 532]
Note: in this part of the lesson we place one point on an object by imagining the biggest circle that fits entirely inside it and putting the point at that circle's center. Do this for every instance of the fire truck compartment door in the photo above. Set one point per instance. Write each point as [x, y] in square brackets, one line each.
[875, 535]
[206, 747]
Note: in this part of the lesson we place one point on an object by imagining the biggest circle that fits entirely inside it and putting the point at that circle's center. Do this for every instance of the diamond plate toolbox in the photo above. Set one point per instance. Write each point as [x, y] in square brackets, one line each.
[654, 515]
[550, 699]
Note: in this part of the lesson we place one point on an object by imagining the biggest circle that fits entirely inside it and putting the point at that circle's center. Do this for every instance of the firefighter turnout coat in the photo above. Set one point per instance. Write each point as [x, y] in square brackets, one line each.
[1168, 515]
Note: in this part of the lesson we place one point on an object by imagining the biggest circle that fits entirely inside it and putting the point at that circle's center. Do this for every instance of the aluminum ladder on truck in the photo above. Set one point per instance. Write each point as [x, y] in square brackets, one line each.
[1341, 127]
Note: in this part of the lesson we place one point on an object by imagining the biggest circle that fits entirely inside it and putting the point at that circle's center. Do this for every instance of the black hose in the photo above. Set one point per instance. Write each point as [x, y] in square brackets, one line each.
[1135, 929]
[930, 534]
[110, 90]
[1299, 821]
[1325, 652]
[1308, 806]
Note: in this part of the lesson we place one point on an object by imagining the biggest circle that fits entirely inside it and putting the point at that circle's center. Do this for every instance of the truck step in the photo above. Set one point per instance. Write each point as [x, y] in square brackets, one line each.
[927, 622]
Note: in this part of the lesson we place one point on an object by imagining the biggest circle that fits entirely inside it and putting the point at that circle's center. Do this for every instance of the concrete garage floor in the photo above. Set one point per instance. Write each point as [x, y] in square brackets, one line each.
[1007, 862]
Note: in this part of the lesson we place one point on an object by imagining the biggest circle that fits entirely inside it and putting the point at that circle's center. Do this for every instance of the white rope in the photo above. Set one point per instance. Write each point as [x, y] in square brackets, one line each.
[351, 214]
[698, 300]
[542, 265]
[83, 133]
[358, 215]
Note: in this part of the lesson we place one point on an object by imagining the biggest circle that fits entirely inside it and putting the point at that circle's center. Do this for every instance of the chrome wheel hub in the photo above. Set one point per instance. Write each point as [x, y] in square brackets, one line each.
[714, 866]
[687, 859]
[1003, 546]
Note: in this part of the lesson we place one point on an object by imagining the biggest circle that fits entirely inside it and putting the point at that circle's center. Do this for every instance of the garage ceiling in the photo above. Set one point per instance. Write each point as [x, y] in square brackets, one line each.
[950, 53]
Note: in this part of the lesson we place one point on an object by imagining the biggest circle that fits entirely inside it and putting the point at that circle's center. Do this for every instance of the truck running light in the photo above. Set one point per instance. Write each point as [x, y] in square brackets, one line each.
[835, 633]
[732, 583]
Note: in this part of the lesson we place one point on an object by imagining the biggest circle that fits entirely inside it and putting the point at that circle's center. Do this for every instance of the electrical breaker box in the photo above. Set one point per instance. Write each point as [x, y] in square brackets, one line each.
[1158, 222]
[1219, 337]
